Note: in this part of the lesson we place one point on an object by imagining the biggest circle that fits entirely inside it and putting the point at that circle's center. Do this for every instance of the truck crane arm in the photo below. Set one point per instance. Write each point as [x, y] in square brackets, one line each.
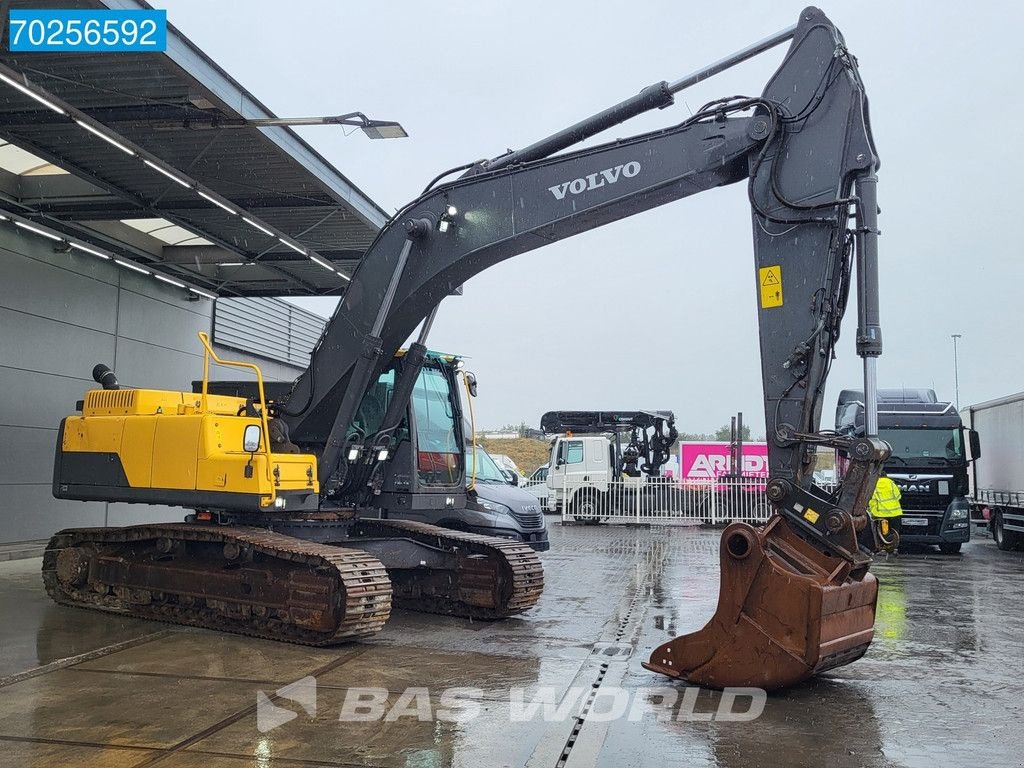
[652, 435]
[804, 149]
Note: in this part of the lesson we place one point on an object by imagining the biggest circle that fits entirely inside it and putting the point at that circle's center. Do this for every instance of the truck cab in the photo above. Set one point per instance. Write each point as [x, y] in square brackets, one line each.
[579, 460]
[928, 463]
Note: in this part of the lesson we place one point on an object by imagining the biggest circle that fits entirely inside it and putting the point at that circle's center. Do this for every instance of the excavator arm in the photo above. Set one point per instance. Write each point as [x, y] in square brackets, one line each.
[796, 591]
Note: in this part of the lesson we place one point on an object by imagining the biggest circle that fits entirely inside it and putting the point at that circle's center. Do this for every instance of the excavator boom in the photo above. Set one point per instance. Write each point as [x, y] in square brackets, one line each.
[804, 149]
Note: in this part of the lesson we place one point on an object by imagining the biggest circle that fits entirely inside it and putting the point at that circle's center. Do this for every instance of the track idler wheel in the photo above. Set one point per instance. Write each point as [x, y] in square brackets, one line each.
[786, 611]
[73, 566]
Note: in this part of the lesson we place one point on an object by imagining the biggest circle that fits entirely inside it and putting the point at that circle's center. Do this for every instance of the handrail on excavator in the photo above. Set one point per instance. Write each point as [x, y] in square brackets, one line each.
[208, 353]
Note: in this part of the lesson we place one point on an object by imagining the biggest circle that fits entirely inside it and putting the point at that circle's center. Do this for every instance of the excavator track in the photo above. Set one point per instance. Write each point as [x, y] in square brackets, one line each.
[249, 581]
[493, 578]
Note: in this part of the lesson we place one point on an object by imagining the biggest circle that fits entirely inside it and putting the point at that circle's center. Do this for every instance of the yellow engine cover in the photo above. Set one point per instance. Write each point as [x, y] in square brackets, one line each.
[166, 447]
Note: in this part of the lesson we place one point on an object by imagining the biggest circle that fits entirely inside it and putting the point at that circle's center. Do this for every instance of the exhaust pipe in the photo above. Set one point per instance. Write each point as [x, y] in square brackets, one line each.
[105, 377]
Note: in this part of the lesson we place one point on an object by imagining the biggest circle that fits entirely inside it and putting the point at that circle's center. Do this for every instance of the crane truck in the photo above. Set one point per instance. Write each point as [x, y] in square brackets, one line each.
[291, 534]
[584, 462]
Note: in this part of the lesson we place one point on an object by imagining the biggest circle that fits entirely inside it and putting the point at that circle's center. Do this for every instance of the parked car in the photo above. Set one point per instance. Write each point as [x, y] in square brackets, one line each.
[505, 463]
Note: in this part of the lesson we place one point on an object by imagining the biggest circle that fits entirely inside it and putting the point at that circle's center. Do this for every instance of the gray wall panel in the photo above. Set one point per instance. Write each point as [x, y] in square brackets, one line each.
[38, 399]
[30, 512]
[154, 321]
[23, 452]
[46, 346]
[146, 365]
[81, 292]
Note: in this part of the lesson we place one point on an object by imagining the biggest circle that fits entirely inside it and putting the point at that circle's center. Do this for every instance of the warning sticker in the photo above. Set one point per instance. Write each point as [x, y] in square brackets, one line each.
[811, 516]
[770, 279]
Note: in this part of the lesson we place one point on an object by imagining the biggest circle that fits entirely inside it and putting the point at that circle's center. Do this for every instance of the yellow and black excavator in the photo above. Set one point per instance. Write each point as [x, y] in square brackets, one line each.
[295, 493]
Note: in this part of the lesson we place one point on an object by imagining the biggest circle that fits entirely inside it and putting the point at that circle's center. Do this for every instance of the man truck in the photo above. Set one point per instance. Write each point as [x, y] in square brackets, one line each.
[928, 462]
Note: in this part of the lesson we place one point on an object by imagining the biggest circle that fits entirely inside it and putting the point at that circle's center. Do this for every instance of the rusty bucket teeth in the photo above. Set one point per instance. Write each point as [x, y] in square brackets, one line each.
[786, 611]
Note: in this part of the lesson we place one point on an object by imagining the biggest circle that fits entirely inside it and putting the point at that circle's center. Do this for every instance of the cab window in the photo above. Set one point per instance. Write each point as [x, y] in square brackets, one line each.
[439, 455]
[574, 452]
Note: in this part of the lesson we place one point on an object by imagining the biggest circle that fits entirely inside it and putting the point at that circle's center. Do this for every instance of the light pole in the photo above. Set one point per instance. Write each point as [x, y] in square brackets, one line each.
[374, 129]
[956, 369]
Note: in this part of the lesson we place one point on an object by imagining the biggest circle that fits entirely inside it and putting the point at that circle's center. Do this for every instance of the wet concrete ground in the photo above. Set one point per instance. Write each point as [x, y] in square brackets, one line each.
[941, 685]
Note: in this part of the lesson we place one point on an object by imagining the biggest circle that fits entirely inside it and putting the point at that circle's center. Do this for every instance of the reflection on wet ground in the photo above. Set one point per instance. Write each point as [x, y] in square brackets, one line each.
[941, 684]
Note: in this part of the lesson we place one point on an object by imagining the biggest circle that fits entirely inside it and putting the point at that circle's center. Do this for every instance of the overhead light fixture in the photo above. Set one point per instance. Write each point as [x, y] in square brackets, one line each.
[216, 202]
[294, 247]
[87, 249]
[173, 177]
[36, 230]
[107, 257]
[321, 262]
[109, 139]
[254, 225]
[374, 129]
[384, 129]
[162, 278]
[32, 94]
[133, 267]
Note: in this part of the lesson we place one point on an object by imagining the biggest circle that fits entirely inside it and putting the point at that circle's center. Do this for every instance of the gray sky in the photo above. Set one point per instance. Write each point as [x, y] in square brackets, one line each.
[658, 311]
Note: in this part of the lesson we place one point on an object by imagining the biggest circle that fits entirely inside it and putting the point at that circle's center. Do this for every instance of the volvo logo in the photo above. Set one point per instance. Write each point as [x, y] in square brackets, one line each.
[595, 180]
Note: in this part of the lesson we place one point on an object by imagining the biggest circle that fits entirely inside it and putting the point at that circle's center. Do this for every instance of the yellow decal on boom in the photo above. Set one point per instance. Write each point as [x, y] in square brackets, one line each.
[811, 516]
[770, 280]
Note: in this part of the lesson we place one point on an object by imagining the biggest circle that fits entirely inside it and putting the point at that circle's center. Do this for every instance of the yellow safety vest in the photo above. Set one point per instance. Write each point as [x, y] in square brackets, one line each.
[885, 501]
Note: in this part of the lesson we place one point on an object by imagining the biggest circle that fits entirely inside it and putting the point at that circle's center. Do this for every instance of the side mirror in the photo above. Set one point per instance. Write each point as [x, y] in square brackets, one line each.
[471, 381]
[975, 442]
[251, 438]
[510, 476]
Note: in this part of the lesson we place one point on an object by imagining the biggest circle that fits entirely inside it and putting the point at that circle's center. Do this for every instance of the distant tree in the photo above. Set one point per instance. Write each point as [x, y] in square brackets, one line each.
[520, 428]
[724, 433]
[696, 437]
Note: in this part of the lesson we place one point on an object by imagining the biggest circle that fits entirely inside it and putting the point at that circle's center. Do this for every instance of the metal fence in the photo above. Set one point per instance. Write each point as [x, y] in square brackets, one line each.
[636, 500]
[539, 489]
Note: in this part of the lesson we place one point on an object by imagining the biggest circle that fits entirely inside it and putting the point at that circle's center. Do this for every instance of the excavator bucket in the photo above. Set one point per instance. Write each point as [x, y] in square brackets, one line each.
[786, 611]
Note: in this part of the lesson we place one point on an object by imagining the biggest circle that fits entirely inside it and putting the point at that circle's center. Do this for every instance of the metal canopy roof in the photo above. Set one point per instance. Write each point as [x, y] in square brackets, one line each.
[183, 109]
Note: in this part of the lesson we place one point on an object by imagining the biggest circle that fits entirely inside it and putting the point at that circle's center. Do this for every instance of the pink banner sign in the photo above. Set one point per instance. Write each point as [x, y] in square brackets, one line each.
[700, 462]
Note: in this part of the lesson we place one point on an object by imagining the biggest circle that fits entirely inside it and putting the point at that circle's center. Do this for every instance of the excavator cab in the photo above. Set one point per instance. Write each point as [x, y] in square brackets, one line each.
[425, 464]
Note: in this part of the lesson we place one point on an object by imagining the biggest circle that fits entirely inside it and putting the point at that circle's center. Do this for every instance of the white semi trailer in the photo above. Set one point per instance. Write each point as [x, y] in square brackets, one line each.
[997, 477]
